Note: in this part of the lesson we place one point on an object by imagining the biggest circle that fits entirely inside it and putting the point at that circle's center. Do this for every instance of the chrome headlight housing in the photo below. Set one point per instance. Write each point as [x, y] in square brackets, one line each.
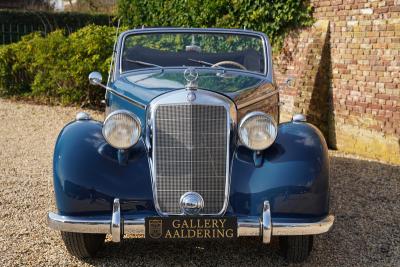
[121, 129]
[257, 130]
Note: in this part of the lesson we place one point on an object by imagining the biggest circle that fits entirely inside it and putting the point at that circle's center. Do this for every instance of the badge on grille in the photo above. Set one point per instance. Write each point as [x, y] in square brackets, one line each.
[191, 96]
[155, 228]
[191, 203]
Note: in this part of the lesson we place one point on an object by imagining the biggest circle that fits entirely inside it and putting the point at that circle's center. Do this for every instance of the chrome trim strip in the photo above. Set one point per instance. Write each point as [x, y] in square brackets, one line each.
[314, 228]
[266, 223]
[116, 222]
[178, 97]
[139, 105]
[247, 226]
[257, 99]
[114, 54]
[78, 224]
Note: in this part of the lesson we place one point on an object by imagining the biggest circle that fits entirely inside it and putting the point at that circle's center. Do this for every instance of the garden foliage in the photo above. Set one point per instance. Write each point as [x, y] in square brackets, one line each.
[55, 68]
[273, 17]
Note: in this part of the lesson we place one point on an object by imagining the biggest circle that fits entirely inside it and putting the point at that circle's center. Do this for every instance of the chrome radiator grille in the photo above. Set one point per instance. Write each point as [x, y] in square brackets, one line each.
[190, 154]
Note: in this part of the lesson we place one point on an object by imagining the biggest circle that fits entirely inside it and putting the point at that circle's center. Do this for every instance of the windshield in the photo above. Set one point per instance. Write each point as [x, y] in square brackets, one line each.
[177, 49]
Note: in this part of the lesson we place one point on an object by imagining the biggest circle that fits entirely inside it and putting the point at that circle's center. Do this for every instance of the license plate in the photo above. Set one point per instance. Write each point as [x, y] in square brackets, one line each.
[180, 227]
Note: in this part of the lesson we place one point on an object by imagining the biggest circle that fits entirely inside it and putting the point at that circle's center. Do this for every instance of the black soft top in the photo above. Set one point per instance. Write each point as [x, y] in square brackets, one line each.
[249, 58]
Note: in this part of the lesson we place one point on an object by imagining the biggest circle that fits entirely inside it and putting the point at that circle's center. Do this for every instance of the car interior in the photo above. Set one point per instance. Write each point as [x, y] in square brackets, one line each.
[135, 58]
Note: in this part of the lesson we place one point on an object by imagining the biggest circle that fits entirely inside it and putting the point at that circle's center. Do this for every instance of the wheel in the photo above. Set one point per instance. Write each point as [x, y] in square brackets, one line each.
[83, 245]
[296, 248]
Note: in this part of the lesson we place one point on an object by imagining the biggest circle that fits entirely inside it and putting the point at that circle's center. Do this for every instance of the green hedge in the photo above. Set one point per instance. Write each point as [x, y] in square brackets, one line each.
[15, 23]
[273, 17]
[54, 69]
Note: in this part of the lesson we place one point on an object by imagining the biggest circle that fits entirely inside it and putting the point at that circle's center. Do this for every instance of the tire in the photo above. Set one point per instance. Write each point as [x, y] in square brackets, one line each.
[83, 245]
[296, 248]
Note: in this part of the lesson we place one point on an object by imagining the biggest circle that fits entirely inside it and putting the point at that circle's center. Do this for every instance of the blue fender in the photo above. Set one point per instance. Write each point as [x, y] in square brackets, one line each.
[88, 176]
[293, 175]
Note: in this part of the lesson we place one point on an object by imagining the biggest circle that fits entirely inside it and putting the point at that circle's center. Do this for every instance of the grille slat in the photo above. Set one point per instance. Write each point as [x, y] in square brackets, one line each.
[190, 150]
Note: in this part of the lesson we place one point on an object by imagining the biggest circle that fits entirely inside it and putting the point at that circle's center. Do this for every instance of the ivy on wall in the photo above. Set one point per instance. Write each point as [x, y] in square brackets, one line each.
[273, 17]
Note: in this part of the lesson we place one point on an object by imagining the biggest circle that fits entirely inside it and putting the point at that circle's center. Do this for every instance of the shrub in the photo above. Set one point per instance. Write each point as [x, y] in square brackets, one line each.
[65, 63]
[54, 69]
[273, 17]
[16, 66]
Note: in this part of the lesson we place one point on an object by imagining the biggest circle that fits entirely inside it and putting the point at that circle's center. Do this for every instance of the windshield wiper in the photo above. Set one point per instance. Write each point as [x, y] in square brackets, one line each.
[143, 63]
[200, 61]
[207, 63]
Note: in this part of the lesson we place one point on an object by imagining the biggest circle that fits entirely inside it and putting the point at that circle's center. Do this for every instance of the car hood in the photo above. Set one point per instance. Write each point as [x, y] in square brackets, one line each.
[144, 86]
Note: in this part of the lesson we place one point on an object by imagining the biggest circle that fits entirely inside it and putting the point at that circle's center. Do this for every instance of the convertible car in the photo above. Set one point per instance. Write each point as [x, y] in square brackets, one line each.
[191, 148]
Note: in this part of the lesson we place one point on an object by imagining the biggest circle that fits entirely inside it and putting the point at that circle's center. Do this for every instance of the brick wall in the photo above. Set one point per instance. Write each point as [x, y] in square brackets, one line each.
[347, 78]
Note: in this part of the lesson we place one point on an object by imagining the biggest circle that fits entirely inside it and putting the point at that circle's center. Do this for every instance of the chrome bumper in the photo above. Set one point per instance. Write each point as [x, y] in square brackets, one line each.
[247, 226]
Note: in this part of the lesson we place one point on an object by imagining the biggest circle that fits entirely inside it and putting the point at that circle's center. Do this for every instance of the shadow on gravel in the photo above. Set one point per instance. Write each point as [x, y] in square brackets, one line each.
[364, 197]
[243, 252]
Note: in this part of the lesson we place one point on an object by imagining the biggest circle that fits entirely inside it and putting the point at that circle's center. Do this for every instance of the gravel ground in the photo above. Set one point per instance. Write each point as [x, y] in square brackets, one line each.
[365, 197]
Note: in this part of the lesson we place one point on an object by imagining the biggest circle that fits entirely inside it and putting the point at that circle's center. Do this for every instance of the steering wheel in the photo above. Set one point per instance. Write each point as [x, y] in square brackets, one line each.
[228, 62]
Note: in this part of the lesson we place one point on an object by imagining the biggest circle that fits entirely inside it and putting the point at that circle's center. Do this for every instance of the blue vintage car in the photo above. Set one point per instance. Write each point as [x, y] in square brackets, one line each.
[191, 148]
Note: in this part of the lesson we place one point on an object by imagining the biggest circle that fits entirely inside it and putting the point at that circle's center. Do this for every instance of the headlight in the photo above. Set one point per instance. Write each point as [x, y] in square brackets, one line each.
[257, 130]
[121, 129]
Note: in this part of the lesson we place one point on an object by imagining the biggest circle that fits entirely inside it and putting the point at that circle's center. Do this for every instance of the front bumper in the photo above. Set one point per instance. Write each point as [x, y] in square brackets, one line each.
[117, 226]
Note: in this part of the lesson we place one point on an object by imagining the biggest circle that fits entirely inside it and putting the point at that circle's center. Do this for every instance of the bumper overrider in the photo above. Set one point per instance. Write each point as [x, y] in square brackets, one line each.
[117, 226]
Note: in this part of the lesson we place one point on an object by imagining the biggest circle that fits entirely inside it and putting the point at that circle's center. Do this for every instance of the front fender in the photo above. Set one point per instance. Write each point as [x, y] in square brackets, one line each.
[88, 176]
[293, 175]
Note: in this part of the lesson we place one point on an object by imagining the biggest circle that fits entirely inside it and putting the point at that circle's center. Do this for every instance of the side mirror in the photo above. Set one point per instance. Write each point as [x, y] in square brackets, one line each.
[95, 78]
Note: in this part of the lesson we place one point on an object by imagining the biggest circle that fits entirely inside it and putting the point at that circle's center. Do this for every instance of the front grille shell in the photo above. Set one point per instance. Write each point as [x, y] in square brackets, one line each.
[168, 189]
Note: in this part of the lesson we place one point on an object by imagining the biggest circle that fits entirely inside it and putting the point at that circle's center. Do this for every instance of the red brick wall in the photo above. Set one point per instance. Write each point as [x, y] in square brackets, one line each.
[361, 93]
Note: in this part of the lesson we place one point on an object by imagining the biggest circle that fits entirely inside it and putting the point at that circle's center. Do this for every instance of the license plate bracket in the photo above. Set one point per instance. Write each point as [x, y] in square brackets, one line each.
[193, 227]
